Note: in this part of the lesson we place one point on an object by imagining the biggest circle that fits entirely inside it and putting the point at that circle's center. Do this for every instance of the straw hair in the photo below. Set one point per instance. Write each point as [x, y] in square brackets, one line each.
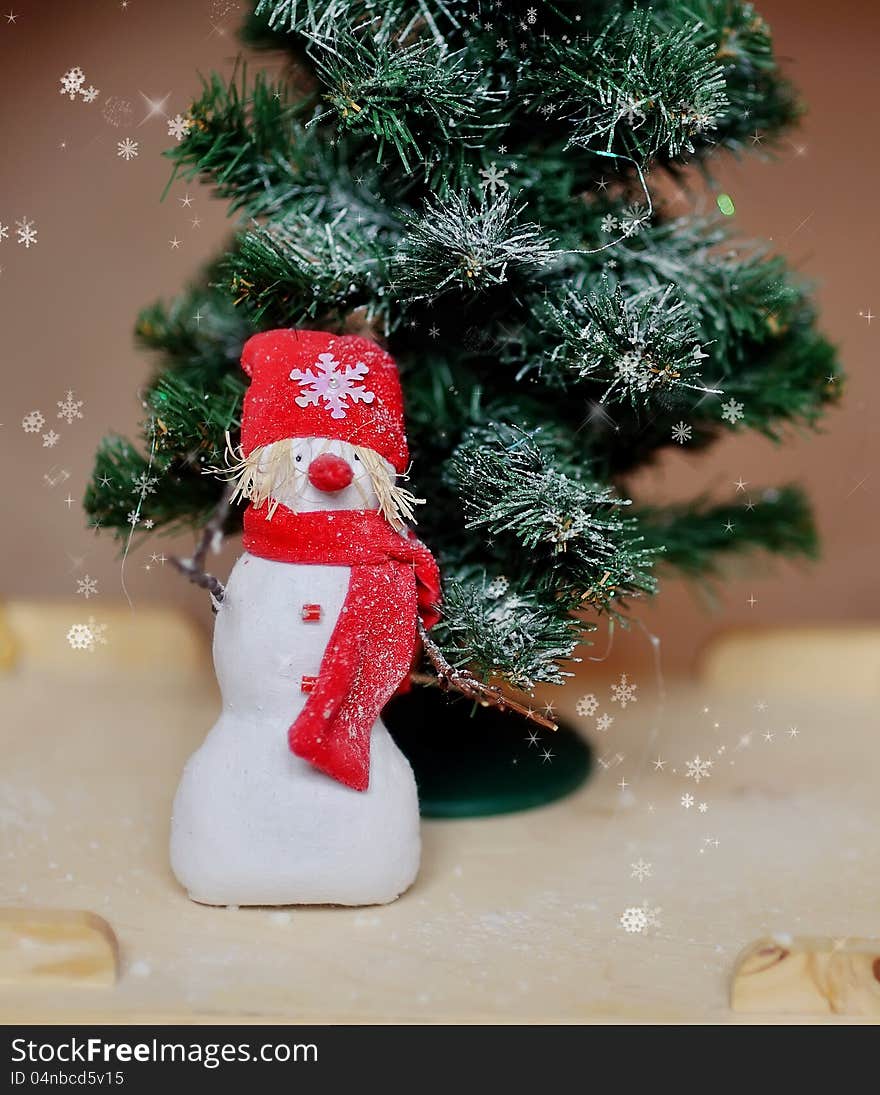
[263, 474]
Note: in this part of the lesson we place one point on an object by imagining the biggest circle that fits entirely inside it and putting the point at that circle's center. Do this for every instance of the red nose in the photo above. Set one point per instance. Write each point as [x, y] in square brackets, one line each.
[330, 473]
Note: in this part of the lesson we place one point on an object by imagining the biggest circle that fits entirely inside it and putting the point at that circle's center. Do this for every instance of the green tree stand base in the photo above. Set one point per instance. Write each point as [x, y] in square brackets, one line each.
[475, 762]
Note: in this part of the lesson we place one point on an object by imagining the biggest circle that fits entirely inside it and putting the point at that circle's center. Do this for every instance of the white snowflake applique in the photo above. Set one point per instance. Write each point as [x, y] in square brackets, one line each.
[332, 383]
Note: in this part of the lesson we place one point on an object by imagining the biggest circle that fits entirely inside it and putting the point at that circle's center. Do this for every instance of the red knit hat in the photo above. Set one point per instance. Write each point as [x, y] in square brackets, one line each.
[314, 384]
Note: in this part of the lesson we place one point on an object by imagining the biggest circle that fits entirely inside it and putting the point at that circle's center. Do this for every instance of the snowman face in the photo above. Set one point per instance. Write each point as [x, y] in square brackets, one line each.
[317, 473]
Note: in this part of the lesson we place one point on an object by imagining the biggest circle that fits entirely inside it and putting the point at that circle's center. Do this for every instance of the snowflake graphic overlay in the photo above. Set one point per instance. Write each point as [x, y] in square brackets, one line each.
[33, 422]
[99, 633]
[127, 149]
[26, 230]
[652, 914]
[80, 637]
[144, 484]
[87, 587]
[624, 692]
[587, 705]
[178, 126]
[69, 408]
[682, 432]
[72, 82]
[732, 411]
[698, 769]
[333, 384]
[634, 919]
[493, 178]
[634, 219]
[497, 587]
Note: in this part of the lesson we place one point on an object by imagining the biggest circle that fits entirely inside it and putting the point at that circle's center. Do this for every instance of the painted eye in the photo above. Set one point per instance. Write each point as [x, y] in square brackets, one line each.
[357, 458]
[299, 457]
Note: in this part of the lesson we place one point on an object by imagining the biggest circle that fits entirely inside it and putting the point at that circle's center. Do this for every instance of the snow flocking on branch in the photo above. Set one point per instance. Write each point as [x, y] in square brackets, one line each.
[460, 243]
[633, 346]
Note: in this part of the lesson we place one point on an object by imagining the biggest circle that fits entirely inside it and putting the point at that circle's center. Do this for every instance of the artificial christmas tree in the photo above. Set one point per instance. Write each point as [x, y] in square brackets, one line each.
[471, 185]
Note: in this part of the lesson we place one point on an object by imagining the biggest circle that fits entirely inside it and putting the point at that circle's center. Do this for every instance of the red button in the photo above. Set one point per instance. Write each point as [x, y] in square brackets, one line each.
[311, 613]
[308, 684]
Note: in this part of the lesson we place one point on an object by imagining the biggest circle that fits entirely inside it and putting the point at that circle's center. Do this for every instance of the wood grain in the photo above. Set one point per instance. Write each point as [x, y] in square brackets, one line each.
[808, 977]
[56, 947]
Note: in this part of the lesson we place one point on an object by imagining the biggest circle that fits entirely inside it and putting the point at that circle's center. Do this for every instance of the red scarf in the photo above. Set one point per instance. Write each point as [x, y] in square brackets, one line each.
[371, 650]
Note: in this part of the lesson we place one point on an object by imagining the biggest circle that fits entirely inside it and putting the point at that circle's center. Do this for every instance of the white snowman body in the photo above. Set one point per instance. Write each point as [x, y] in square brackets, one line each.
[252, 823]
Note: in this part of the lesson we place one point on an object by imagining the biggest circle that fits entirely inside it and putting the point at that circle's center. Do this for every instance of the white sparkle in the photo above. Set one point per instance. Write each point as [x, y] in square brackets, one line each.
[155, 107]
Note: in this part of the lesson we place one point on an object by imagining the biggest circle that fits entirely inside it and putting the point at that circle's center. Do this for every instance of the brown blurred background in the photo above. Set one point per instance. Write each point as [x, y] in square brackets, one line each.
[106, 247]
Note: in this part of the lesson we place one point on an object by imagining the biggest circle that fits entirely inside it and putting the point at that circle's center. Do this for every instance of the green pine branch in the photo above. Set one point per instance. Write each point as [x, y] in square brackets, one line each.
[634, 348]
[633, 91]
[513, 633]
[467, 245]
[572, 529]
[414, 96]
[695, 538]
[300, 268]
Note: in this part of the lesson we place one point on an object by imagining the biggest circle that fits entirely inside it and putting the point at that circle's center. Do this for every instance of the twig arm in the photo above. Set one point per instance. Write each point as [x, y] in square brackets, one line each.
[188, 568]
[211, 539]
[461, 680]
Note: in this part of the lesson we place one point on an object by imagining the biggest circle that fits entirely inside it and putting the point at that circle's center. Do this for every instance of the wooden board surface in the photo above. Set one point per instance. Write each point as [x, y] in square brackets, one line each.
[51, 947]
[802, 975]
[512, 919]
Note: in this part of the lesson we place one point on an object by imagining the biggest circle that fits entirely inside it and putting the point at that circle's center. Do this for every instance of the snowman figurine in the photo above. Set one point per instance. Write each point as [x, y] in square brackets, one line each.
[298, 794]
